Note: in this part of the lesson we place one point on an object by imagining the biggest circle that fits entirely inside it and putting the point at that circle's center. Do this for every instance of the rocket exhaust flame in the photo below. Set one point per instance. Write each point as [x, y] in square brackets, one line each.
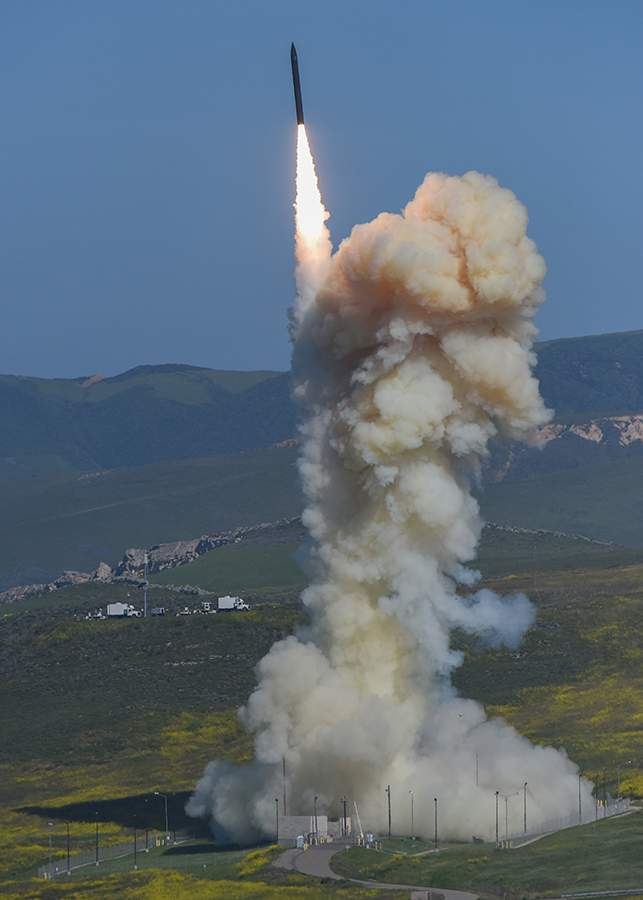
[411, 349]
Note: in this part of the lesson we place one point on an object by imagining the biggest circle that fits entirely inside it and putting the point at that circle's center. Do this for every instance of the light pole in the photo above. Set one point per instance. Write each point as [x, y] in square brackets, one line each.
[435, 800]
[388, 791]
[598, 781]
[315, 806]
[96, 838]
[277, 816]
[515, 793]
[604, 794]
[412, 822]
[618, 778]
[345, 830]
[145, 592]
[496, 818]
[135, 866]
[167, 830]
[50, 824]
[525, 808]
[67, 824]
[580, 814]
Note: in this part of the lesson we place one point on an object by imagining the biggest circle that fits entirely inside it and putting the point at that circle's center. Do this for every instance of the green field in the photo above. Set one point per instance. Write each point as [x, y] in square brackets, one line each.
[591, 858]
[76, 521]
[121, 708]
[238, 568]
[602, 502]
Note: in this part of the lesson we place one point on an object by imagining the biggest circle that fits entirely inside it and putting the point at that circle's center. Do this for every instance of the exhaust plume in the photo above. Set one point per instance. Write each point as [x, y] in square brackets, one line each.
[411, 349]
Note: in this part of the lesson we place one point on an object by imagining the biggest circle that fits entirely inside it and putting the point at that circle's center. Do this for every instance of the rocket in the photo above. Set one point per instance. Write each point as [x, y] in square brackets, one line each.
[295, 83]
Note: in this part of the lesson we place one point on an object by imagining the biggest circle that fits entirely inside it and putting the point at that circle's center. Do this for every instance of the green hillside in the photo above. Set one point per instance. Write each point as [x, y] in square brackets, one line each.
[603, 502]
[74, 522]
[238, 568]
[149, 414]
[119, 709]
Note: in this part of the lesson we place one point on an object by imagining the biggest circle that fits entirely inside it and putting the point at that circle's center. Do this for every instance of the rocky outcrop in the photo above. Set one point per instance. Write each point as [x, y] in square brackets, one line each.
[165, 556]
[168, 556]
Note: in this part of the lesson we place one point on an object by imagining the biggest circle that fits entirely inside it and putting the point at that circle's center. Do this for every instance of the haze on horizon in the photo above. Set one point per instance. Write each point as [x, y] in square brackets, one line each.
[148, 158]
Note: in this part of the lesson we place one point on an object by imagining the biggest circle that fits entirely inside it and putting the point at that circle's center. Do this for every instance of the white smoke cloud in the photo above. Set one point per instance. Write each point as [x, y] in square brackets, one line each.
[412, 348]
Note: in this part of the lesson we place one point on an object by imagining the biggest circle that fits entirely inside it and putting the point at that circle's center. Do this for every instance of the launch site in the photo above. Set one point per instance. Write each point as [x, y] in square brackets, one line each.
[321, 578]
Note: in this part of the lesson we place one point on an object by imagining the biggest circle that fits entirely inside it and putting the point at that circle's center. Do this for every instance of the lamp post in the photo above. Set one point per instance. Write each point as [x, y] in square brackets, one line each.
[525, 808]
[388, 791]
[277, 816]
[167, 830]
[315, 810]
[496, 818]
[515, 793]
[135, 865]
[96, 838]
[50, 824]
[580, 813]
[345, 829]
[67, 824]
[435, 833]
[618, 778]
[604, 794]
[412, 822]
[147, 827]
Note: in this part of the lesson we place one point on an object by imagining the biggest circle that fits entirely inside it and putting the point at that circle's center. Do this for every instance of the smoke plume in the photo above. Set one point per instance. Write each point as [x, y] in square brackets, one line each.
[412, 349]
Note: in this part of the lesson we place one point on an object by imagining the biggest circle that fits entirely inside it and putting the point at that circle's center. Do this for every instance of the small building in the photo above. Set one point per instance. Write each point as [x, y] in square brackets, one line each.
[292, 827]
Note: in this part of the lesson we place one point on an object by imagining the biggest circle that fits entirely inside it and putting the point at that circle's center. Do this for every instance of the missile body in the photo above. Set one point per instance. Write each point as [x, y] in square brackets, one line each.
[295, 83]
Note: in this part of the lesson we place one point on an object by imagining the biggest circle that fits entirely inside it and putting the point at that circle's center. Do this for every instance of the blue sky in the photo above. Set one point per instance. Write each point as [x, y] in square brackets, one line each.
[147, 160]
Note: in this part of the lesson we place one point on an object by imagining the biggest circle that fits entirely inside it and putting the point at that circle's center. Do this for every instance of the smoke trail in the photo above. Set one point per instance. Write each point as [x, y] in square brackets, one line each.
[411, 350]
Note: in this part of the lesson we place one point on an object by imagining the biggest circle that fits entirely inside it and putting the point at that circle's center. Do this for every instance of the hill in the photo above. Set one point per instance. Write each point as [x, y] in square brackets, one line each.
[67, 521]
[147, 415]
[156, 414]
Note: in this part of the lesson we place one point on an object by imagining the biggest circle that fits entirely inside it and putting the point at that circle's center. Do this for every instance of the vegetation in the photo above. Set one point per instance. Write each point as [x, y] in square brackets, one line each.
[590, 858]
[73, 522]
[239, 568]
[147, 415]
[600, 501]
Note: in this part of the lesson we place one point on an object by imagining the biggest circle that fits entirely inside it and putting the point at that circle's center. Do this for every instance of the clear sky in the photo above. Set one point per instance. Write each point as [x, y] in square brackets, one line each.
[147, 159]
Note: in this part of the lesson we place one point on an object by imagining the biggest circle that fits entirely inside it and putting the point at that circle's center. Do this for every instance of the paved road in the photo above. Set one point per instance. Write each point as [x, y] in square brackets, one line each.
[316, 861]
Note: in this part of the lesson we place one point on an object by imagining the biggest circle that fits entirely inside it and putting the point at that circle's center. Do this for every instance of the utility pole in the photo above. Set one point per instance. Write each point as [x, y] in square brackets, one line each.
[67, 824]
[345, 831]
[135, 865]
[277, 815]
[525, 808]
[50, 824]
[96, 838]
[315, 806]
[496, 818]
[388, 791]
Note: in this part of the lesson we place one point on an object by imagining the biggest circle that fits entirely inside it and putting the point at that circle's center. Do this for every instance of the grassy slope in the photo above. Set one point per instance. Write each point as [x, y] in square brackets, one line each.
[601, 502]
[71, 521]
[588, 858]
[238, 568]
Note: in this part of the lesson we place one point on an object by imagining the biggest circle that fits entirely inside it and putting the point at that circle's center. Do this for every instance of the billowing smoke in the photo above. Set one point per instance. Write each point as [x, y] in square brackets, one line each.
[411, 350]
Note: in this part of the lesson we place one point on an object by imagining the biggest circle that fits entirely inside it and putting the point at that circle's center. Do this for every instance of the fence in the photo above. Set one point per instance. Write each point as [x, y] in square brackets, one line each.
[115, 851]
[596, 811]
